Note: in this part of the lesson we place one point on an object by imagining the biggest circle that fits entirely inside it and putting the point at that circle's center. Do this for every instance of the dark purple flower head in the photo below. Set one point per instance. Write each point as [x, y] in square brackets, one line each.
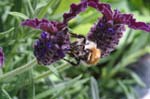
[53, 43]
[50, 48]
[106, 35]
[1, 57]
[109, 29]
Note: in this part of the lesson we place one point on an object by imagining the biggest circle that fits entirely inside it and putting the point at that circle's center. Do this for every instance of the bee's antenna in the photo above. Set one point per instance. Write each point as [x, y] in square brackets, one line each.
[77, 35]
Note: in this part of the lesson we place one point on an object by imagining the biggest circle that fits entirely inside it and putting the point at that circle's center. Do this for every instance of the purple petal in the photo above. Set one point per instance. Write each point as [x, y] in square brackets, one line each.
[1, 57]
[139, 25]
[90, 0]
[130, 21]
[43, 35]
[34, 23]
[74, 10]
[44, 25]
[104, 8]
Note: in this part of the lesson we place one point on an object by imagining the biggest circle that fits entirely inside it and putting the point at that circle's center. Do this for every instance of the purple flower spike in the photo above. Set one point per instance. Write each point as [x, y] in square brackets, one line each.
[1, 57]
[53, 43]
[51, 48]
[106, 35]
[109, 29]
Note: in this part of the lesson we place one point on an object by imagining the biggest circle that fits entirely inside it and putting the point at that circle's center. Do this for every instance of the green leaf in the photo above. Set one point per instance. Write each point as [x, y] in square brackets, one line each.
[30, 6]
[137, 78]
[18, 14]
[54, 70]
[129, 95]
[94, 88]
[6, 93]
[60, 86]
[44, 10]
[2, 34]
[18, 71]
[8, 31]
[64, 6]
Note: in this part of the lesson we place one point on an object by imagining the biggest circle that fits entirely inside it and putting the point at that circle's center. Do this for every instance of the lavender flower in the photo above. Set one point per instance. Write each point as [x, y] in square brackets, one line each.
[53, 43]
[109, 29]
[1, 57]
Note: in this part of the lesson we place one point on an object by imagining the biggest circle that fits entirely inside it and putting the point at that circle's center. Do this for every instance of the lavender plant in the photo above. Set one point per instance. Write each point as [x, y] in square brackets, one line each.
[26, 50]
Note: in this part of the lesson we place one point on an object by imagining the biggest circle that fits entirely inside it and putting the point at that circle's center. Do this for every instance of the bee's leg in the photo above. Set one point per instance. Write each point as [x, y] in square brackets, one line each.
[77, 35]
[73, 63]
[78, 61]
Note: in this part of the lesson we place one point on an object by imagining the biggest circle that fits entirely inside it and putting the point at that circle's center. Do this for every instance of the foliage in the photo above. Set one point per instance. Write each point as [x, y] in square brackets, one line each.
[22, 78]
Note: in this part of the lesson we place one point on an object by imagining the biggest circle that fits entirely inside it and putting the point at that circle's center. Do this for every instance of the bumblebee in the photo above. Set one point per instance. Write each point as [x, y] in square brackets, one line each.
[84, 50]
[94, 56]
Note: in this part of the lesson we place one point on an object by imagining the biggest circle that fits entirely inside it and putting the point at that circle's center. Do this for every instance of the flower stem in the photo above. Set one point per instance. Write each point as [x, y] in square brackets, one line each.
[18, 71]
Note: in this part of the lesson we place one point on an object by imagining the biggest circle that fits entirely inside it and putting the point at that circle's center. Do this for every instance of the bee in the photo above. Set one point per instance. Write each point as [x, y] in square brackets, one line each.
[84, 50]
[94, 56]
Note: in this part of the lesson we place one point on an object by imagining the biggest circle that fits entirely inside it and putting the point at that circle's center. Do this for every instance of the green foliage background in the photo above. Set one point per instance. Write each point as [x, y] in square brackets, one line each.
[22, 78]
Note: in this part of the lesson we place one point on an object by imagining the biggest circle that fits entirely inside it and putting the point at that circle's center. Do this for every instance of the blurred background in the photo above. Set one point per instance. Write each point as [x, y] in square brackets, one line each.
[122, 75]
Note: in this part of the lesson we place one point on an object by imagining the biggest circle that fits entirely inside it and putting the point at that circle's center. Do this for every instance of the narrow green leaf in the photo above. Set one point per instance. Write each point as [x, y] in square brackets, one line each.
[137, 78]
[18, 14]
[60, 86]
[6, 93]
[18, 70]
[54, 70]
[45, 9]
[8, 31]
[94, 89]
[64, 6]
[30, 6]
[3, 34]
[126, 90]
